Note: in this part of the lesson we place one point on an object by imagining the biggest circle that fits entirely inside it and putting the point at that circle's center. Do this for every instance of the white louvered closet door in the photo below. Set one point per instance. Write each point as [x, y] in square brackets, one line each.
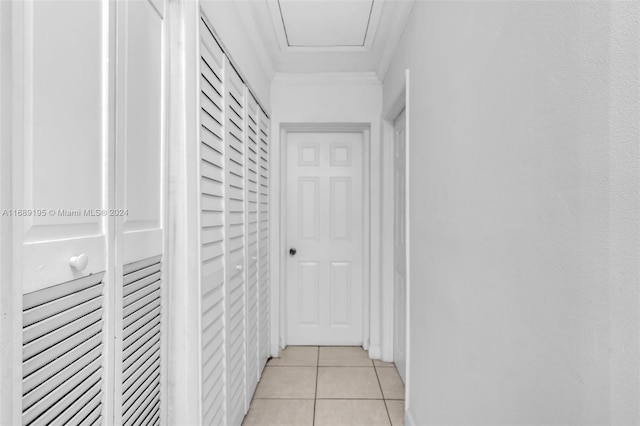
[139, 194]
[88, 167]
[263, 240]
[233, 292]
[60, 151]
[235, 228]
[213, 231]
[252, 139]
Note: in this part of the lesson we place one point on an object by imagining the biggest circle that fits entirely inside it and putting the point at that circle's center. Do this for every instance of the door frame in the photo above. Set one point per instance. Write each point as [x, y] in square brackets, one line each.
[401, 101]
[279, 215]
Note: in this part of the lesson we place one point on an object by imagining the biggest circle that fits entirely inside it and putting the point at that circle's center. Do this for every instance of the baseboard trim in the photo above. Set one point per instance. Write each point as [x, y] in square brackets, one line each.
[375, 352]
[408, 418]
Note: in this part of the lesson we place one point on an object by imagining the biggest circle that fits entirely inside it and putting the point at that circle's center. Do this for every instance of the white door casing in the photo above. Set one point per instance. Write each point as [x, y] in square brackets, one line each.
[400, 241]
[325, 218]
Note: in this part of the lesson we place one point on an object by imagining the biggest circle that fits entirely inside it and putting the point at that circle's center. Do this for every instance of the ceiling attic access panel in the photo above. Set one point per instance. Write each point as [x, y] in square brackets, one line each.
[325, 24]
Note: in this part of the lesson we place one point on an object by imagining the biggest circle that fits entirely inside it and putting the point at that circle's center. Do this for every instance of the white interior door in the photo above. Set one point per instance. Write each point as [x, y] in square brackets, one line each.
[61, 159]
[324, 234]
[400, 258]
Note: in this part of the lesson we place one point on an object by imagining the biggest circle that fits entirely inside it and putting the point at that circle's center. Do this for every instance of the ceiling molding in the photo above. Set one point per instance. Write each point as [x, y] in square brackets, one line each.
[387, 17]
[246, 13]
[402, 13]
[327, 79]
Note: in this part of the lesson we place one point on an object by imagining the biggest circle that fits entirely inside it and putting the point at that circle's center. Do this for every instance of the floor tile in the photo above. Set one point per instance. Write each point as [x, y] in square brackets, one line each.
[348, 382]
[300, 356]
[396, 411]
[331, 412]
[287, 382]
[379, 363]
[391, 383]
[280, 412]
[345, 356]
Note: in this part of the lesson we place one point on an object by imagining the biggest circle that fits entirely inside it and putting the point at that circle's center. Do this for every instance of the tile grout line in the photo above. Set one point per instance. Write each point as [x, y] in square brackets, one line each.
[386, 407]
[315, 399]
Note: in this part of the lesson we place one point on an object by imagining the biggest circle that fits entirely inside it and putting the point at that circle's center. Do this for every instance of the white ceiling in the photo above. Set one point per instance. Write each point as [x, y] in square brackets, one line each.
[325, 36]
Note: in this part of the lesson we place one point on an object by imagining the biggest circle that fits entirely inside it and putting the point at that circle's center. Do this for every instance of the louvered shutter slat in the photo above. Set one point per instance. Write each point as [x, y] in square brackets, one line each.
[141, 339]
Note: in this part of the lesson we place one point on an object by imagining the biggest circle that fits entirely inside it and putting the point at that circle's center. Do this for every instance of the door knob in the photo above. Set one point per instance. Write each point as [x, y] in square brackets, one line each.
[292, 251]
[79, 262]
[238, 267]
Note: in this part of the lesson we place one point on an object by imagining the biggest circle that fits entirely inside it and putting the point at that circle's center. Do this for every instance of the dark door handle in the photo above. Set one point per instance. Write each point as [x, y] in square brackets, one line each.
[292, 251]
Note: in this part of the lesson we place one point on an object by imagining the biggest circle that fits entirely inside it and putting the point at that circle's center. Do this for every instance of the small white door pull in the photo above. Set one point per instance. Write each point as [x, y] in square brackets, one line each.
[254, 257]
[238, 267]
[79, 262]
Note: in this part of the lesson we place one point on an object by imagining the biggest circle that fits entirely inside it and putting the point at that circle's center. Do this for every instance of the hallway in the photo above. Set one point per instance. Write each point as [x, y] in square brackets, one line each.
[327, 386]
[319, 212]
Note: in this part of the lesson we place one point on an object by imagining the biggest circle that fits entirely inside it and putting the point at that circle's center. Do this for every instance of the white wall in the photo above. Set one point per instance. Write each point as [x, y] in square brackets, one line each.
[525, 211]
[328, 98]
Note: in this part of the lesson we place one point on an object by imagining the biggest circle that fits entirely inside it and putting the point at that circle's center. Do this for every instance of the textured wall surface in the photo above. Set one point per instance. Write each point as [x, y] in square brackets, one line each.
[525, 211]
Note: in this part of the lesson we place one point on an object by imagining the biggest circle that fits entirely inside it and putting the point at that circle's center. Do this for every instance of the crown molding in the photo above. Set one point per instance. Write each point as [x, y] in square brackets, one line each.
[402, 13]
[327, 79]
[245, 12]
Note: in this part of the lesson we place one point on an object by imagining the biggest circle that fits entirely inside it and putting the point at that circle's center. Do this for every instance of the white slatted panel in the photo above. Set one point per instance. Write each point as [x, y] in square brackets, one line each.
[235, 294]
[234, 208]
[212, 286]
[251, 120]
[235, 227]
[63, 353]
[263, 236]
[141, 342]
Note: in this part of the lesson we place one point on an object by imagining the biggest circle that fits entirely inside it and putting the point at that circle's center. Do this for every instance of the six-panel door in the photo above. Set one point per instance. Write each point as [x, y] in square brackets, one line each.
[325, 228]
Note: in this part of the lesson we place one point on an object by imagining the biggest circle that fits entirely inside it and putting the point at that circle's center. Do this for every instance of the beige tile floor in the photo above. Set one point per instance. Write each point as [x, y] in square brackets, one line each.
[327, 386]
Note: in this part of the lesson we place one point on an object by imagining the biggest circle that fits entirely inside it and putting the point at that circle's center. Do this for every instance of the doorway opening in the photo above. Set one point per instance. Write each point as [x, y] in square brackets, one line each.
[325, 234]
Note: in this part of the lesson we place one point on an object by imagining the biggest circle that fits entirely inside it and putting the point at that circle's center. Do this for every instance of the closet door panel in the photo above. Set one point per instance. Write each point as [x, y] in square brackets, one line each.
[263, 239]
[60, 159]
[140, 94]
[235, 241]
[213, 232]
[63, 341]
[60, 147]
[251, 206]
[140, 128]
[141, 335]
